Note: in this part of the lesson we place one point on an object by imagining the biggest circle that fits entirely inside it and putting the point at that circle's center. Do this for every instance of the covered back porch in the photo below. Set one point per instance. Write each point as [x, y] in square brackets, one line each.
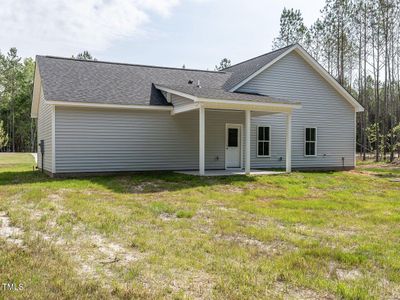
[237, 130]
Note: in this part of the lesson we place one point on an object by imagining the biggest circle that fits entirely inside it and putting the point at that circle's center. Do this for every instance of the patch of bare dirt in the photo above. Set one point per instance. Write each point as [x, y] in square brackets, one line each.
[151, 186]
[336, 272]
[55, 197]
[146, 186]
[330, 231]
[36, 214]
[203, 221]
[10, 233]
[230, 209]
[287, 291]
[114, 252]
[195, 284]
[167, 217]
[364, 168]
[343, 274]
[275, 247]
[362, 172]
[95, 255]
[59, 195]
[389, 290]
[395, 180]
[232, 189]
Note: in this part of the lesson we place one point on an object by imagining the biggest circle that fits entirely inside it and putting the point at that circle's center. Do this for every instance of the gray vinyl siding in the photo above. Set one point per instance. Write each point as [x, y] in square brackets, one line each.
[277, 158]
[100, 140]
[44, 132]
[293, 79]
[216, 121]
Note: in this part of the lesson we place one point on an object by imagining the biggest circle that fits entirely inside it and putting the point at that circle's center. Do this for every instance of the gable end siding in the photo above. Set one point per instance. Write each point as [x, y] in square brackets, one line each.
[294, 79]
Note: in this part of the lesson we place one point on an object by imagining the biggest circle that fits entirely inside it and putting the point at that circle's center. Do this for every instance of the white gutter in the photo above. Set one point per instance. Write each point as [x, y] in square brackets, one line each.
[103, 105]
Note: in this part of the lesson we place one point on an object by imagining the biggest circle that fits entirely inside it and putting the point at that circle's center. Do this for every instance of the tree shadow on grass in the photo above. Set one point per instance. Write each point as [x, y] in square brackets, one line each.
[131, 183]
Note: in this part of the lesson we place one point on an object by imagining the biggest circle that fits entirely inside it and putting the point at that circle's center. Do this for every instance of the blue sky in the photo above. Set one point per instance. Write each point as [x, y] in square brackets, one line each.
[197, 33]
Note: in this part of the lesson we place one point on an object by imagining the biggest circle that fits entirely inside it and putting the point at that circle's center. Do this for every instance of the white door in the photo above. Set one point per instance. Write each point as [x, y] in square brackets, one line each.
[233, 146]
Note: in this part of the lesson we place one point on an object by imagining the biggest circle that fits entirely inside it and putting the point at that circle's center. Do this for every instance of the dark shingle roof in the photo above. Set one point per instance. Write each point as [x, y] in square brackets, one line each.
[220, 94]
[66, 79]
[246, 68]
[112, 83]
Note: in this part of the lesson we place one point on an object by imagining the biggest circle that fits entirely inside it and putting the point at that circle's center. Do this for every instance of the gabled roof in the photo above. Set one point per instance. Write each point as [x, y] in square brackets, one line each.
[107, 83]
[243, 70]
[257, 65]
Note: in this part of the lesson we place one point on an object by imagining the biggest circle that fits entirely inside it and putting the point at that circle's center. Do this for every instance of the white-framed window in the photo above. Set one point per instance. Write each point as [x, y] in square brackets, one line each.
[263, 141]
[310, 141]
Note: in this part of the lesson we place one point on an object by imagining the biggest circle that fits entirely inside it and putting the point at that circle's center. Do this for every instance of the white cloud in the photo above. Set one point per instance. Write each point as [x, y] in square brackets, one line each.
[64, 27]
[162, 7]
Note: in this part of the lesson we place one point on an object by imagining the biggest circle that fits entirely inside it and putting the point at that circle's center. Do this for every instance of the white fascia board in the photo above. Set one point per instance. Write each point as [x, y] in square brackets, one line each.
[185, 108]
[101, 105]
[185, 95]
[262, 69]
[241, 107]
[37, 89]
[250, 103]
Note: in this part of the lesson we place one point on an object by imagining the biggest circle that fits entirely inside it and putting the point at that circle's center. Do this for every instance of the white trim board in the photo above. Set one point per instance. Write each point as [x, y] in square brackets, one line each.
[316, 66]
[177, 93]
[101, 105]
[250, 103]
[37, 90]
[185, 108]
[53, 139]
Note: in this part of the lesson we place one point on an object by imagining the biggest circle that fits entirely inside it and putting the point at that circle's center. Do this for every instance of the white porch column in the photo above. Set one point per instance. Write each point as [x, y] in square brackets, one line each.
[247, 143]
[202, 142]
[289, 142]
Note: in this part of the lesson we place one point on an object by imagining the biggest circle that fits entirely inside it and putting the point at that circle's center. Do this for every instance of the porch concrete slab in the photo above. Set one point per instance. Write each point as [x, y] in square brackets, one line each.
[231, 172]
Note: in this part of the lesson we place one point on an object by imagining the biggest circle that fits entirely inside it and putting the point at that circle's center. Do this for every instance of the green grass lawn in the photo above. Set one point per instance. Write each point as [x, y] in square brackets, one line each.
[307, 235]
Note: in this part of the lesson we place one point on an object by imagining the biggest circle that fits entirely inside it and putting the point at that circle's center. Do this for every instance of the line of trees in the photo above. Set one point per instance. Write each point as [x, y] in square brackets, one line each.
[17, 129]
[357, 41]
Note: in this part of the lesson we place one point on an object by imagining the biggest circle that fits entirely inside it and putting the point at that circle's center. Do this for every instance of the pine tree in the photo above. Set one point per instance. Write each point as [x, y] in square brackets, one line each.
[85, 55]
[292, 29]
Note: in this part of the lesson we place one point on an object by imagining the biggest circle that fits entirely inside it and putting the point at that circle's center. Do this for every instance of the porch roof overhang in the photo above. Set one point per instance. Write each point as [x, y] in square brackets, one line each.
[220, 99]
